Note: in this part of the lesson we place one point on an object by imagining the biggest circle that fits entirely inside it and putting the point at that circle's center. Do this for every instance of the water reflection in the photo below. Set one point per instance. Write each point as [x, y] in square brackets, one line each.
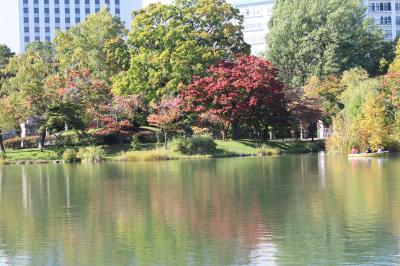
[303, 209]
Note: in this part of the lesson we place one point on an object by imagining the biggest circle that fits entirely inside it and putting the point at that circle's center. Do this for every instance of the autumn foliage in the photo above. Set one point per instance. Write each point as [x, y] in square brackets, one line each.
[167, 115]
[237, 92]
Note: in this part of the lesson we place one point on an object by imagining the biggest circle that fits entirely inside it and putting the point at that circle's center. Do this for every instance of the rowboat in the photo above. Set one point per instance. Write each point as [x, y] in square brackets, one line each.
[366, 155]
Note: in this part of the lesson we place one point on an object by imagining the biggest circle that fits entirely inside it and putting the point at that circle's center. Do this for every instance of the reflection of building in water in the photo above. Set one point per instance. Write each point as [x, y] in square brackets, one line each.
[322, 169]
[26, 192]
[264, 252]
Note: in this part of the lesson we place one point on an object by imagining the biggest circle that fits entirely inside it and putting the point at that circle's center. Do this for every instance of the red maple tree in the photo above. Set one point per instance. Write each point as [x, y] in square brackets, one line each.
[238, 91]
[167, 116]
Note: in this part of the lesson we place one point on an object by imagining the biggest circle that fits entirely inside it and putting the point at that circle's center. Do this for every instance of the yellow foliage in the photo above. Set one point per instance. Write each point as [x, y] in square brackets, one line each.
[344, 137]
[373, 128]
[395, 65]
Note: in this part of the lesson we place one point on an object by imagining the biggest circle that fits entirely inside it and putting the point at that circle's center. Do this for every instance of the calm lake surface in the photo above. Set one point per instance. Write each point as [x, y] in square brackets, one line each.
[289, 210]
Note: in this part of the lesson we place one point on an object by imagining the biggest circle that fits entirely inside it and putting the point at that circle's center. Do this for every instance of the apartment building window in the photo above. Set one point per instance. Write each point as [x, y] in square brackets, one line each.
[107, 2]
[66, 2]
[56, 2]
[26, 38]
[97, 9]
[397, 20]
[386, 20]
[47, 29]
[46, 2]
[48, 38]
[26, 29]
[26, 20]
[37, 38]
[57, 20]
[26, 10]
[97, 2]
[117, 2]
[67, 20]
[36, 10]
[385, 6]
[57, 10]
[382, 6]
[77, 20]
[77, 2]
[36, 2]
[117, 11]
[46, 10]
[87, 11]
[36, 20]
[37, 29]
[46, 20]
[77, 11]
[67, 10]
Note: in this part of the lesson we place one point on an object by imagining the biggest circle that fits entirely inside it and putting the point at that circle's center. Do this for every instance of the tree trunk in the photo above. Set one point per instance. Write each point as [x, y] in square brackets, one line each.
[235, 131]
[265, 134]
[165, 140]
[42, 140]
[2, 150]
[224, 133]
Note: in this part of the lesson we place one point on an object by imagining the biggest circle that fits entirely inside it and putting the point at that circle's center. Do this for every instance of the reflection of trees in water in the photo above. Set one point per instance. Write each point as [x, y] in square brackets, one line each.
[207, 211]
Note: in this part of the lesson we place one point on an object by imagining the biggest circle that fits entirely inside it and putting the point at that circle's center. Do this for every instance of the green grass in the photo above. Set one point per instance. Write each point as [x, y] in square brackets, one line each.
[151, 152]
[247, 146]
[33, 154]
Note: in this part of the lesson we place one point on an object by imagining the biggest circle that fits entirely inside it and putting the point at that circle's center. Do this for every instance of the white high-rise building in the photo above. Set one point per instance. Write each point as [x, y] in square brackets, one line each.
[25, 21]
[257, 14]
[386, 15]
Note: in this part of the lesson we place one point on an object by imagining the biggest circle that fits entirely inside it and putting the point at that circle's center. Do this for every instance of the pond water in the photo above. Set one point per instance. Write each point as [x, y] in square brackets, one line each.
[288, 210]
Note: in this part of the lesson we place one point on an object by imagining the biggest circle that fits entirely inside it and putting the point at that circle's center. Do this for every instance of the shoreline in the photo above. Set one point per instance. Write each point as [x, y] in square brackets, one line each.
[122, 153]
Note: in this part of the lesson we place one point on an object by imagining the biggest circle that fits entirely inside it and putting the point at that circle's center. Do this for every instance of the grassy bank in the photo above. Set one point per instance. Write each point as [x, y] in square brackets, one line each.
[152, 153]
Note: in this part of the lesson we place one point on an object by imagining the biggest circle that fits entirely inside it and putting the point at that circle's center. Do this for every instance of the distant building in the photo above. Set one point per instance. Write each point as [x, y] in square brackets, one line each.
[257, 14]
[25, 21]
[385, 15]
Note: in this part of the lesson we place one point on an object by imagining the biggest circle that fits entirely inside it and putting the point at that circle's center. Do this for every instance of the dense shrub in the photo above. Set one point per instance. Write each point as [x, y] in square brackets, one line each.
[91, 154]
[15, 143]
[135, 143]
[267, 151]
[70, 156]
[153, 155]
[195, 145]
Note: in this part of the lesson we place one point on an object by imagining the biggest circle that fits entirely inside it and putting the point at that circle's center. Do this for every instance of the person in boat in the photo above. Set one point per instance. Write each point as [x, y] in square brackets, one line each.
[354, 151]
[369, 150]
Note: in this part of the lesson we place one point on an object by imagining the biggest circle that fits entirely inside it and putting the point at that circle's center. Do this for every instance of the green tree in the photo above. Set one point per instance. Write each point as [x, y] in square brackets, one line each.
[5, 54]
[325, 92]
[395, 65]
[6, 122]
[26, 90]
[306, 40]
[364, 120]
[97, 45]
[169, 44]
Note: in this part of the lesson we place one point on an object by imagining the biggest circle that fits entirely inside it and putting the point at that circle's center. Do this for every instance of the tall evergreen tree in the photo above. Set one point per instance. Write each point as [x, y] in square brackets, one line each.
[321, 37]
